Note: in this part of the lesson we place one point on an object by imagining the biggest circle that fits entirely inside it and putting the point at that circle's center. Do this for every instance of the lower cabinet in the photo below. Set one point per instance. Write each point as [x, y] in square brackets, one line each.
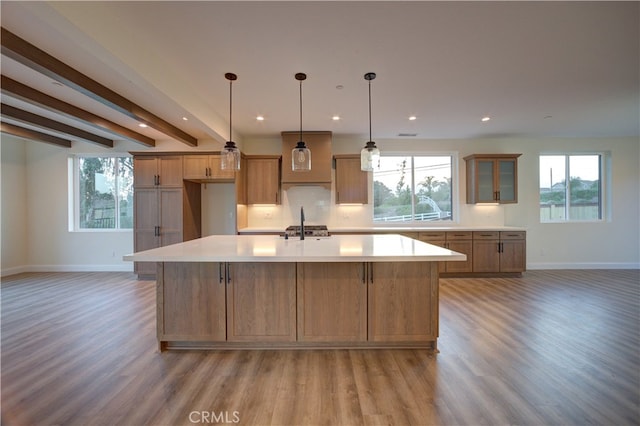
[191, 302]
[332, 302]
[261, 302]
[226, 302]
[340, 304]
[460, 241]
[403, 301]
[499, 251]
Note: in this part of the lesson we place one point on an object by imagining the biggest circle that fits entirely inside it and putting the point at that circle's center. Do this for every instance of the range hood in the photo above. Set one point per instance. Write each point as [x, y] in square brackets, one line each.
[319, 143]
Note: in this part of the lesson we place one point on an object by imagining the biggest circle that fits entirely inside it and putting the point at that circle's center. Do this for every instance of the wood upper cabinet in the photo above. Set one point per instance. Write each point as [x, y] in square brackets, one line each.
[261, 302]
[492, 178]
[352, 184]
[205, 167]
[191, 302]
[154, 171]
[319, 143]
[263, 179]
[403, 301]
[332, 302]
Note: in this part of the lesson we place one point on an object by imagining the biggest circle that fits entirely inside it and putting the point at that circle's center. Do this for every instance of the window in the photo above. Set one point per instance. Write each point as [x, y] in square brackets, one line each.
[413, 189]
[581, 198]
[103, 193]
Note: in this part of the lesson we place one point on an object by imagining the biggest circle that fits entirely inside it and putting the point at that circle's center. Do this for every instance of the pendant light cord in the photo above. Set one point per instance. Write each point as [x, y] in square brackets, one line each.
[230, 110]
[301, 110]
[369, 110]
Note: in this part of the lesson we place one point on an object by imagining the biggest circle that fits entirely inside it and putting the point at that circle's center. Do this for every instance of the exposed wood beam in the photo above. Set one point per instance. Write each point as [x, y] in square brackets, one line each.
[27, 117]
[33, 135]
[39, 60]
[18, 90]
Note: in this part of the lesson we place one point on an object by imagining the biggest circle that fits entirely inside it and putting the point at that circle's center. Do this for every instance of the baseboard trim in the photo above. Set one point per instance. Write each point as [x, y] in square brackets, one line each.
[66, 268]
[611, 265]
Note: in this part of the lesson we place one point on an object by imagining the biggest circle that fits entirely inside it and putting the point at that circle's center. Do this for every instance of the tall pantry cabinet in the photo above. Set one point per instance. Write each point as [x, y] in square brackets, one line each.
[166, 208]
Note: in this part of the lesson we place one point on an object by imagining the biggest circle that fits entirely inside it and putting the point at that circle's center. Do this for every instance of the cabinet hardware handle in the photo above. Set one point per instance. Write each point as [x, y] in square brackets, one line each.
[220, 271]
[498, 195]
[228, 270]
[364, 273]
[156, 231]
[371, 272]
[501, 247]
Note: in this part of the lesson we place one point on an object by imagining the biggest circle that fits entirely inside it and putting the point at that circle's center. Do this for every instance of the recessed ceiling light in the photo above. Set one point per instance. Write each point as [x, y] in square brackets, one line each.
[260, 118]
[486, 118]
[335, 118]
[412, 117]
[142, 125]
[185, 118]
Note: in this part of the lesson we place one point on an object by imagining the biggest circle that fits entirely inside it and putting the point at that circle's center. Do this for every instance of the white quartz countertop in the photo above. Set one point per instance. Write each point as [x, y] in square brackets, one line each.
[273, 248]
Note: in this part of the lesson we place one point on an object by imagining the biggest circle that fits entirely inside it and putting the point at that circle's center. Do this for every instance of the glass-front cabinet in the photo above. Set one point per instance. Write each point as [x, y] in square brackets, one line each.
[492, 178]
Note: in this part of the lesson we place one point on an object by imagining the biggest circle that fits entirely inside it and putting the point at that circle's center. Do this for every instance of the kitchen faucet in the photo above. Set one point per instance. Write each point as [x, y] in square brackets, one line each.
[302, 223]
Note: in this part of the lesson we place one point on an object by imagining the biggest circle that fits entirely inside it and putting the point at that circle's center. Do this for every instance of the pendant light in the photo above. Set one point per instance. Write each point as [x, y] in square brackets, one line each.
[370, 154]
[231, 153]
[300, 155]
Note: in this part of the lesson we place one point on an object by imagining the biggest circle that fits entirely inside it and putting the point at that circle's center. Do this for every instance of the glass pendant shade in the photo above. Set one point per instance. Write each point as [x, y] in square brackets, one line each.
[301, 155]
[301, 158]
[230, 157]
[230, 154]
[370, 154]
[369, 157]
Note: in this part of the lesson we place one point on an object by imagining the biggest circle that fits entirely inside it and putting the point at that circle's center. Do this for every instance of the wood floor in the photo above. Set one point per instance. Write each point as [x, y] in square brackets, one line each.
[552, 347]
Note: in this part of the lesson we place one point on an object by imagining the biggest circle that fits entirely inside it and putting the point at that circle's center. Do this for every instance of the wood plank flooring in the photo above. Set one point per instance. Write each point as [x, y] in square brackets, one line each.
[552, 347]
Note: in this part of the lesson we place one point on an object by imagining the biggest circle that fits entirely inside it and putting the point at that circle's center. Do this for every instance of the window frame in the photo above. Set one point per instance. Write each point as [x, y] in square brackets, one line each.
[455, 202]
[604, 165]
[74, 194]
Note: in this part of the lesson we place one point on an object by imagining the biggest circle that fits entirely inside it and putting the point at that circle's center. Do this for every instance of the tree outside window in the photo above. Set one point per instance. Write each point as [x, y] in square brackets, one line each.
[413, 188]
[105, 192]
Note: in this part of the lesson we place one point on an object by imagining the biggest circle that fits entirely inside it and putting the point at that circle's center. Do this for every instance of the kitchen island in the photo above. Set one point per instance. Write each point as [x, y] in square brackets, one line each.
[265, 291]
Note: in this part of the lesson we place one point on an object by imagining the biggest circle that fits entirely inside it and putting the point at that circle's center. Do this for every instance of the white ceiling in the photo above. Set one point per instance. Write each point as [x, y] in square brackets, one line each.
[539, 69]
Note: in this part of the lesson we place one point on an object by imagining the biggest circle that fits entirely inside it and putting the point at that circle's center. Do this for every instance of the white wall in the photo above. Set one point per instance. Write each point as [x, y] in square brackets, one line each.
[34, 204]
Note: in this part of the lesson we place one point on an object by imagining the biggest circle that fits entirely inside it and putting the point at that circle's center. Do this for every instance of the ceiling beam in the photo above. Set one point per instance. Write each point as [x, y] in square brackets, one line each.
[26, 117]
[27, 54]
[18, 90]
[33, 135]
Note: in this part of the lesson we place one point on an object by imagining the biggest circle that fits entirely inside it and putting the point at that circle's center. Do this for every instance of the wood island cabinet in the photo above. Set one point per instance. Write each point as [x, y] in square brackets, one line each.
[226, 302]
[402, 301]
[332, 302]
[319, 143]
[261, 302]
[191, 302]
[351, 182]
[263, 179]
[492, 178]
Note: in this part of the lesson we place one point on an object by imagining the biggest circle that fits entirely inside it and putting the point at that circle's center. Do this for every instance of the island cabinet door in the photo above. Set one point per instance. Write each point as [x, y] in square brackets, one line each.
[332, 302]
[261, 302]
[191, 302]
[403, 302]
